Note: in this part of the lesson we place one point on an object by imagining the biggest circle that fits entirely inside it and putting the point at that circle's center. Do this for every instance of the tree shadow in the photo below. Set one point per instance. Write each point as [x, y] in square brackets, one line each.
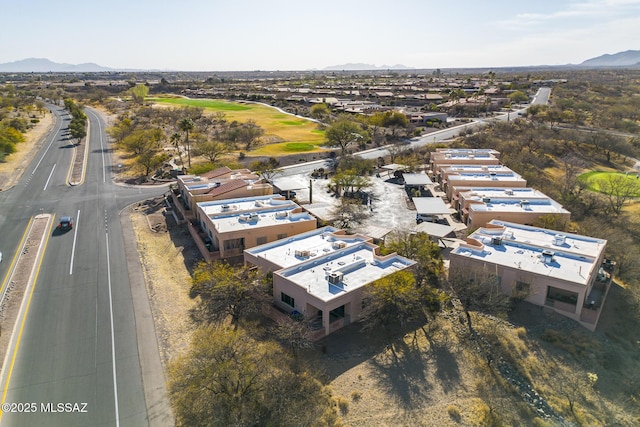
[447, 370]
[400, 371]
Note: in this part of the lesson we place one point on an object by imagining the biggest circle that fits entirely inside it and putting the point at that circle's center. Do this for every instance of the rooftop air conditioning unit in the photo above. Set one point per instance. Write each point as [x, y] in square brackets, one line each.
[486, 200]
[559, 239]
[225, 208]
[339, 245]
[509, 192]
[281, 214]
[547, 256]
[302, 253]
[335, 278]
[497, 241]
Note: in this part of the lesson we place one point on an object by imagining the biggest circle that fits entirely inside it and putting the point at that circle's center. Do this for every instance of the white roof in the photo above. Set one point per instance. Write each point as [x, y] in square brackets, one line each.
[430, 205]
[357, 265]
[393, 167]
[434, 229]
[289, 184]
[416, 179]
[259, 219]
[574, 257]
[539, 206]
[519, 193]
[291, 250]
[245, 204]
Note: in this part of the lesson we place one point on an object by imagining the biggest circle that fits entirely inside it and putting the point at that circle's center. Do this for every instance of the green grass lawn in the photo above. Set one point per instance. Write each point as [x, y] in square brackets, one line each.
[594, 179]
[289, 134]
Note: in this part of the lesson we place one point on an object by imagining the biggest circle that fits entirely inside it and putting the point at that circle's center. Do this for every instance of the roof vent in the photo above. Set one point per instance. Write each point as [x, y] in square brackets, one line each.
[559, 239]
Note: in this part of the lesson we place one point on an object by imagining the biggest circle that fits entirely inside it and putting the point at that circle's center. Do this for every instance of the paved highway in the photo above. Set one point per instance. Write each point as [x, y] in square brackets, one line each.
[79, 344]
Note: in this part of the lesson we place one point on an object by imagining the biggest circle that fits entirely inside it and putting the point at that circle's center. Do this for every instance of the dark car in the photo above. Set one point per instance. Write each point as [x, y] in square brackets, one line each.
[66, 223]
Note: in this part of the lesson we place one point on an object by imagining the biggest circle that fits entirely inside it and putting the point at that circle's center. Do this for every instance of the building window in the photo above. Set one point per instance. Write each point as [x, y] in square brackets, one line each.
[287, 299]
[261, 240]
[282, 236]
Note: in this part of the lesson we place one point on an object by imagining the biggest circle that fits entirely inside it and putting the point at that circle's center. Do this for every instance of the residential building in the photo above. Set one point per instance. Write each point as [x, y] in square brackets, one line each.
[322, 274]
[481, 179]
[219, 184]
[565, 273]
[447, 157]
[477, 206]
[224, 228]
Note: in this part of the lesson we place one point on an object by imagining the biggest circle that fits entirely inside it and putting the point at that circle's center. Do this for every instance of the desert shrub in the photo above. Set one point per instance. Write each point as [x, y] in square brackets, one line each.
[342, 404]
[356, 395]
[454, 412]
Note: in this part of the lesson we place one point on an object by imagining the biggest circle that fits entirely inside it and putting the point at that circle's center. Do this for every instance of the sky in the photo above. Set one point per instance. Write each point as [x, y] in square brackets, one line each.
[244, 35]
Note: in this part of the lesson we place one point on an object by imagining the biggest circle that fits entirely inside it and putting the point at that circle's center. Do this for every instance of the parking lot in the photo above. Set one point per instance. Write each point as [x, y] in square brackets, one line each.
[390, 207]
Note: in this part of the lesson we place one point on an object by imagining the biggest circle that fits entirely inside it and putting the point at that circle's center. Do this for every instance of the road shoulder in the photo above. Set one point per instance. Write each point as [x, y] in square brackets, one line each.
[158, 407]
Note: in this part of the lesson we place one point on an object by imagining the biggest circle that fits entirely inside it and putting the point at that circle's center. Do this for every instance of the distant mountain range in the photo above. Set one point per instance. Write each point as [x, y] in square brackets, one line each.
[360, 66]
[620, 59]
[629, 58]
[43, 65]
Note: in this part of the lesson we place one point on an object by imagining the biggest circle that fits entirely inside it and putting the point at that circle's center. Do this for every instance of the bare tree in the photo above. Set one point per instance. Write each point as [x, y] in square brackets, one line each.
[478, 290]
[619, 189]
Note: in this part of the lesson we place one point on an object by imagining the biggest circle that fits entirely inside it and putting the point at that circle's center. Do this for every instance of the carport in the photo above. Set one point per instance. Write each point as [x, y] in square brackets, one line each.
[430, 206]
[287, 186]
[391, 169]
[416, 179]
[437, 232]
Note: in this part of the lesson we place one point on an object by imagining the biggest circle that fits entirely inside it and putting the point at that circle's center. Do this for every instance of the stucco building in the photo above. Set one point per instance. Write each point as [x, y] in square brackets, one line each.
[225, 228]
[565, 273]
[322, 274]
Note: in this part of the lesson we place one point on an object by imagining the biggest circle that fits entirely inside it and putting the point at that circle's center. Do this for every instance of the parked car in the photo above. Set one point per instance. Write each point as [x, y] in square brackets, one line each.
[66, 223]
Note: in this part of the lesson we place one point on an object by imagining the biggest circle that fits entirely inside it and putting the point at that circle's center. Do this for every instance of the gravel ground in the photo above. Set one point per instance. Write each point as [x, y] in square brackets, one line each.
[165, 256]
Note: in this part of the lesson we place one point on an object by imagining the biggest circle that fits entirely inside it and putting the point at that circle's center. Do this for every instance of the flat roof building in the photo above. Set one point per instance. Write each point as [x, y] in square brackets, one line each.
[225, 228]
[219, 184]
[478, 206]
[563, 272]
[458, 156]
[322, 274]
[505, 178]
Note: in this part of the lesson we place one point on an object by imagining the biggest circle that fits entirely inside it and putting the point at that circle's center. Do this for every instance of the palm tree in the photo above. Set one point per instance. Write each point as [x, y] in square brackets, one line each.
[175, 141]
[186, 125]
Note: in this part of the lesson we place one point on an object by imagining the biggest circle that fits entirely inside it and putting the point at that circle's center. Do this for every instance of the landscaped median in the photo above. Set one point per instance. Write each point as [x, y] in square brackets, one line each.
[18, 284]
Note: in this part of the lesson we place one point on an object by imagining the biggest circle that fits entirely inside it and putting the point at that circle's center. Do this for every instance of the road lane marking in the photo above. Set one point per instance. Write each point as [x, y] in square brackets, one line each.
[52, 139]
[48, 179]
[113, 338]
[25, 310]
[75, 238]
